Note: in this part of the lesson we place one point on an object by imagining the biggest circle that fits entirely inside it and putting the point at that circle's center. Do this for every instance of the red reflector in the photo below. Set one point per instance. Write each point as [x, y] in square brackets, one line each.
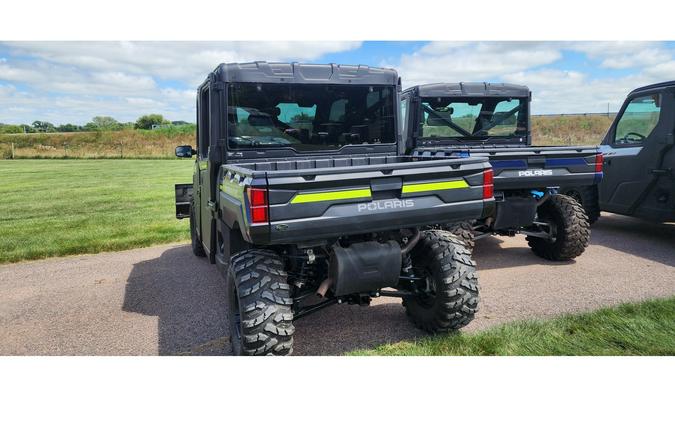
[488, 186]
[259, 214]
[257, 197]
[598, 163]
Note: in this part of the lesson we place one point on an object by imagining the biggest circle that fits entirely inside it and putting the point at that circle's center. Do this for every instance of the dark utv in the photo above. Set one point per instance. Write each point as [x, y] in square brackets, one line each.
[300, 190]
[493, 121]
[639, 159]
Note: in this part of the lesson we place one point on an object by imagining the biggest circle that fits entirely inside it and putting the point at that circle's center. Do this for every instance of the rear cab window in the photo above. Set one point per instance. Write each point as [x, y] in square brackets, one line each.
[309, 117]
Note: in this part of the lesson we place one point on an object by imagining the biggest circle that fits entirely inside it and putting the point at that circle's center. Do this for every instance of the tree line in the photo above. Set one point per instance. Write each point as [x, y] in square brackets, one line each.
[98, 123]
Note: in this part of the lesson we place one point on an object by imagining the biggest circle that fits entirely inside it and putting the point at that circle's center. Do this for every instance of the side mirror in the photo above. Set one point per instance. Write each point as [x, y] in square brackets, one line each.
[185, 151]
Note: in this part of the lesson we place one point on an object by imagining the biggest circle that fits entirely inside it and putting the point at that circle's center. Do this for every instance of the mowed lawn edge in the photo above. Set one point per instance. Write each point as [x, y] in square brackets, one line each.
[642, 329]
[65, 207]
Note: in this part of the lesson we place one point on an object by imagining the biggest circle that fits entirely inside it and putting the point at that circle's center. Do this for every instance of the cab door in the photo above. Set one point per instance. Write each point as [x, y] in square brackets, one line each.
[632, 149]
[205, 201]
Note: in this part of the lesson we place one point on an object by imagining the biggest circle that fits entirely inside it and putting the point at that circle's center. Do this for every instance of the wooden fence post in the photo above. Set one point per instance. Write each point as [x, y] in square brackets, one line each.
[12, 150]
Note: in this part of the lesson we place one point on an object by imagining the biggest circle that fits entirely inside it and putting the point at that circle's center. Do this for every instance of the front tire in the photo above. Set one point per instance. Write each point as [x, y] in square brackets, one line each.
[451, 299]
[571, 229]
[259, 304]
[464, 231]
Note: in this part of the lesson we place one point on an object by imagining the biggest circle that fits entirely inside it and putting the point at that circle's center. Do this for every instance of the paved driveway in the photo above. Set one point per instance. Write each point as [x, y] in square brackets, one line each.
[163, 300]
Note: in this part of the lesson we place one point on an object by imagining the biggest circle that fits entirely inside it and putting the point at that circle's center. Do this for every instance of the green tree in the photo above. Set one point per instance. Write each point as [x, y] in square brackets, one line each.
[106, 123]
[41, 126]
[90, 127]
[68, 127]
[27, 128]
[146, 122]
[10, 128]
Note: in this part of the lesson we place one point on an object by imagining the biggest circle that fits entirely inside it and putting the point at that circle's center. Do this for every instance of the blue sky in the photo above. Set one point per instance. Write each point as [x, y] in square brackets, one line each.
[64, 82]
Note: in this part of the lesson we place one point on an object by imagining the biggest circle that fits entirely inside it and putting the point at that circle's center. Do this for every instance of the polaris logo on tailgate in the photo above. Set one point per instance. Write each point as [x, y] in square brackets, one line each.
[530, 173]
[386, 204]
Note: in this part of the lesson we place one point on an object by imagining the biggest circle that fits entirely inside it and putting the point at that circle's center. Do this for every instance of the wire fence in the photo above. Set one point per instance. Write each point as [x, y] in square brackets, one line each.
[609, 115]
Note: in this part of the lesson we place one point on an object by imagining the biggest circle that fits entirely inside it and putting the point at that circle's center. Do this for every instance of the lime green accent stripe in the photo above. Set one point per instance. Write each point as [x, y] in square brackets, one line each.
[425, 187]
[231, 190]
[302, 198]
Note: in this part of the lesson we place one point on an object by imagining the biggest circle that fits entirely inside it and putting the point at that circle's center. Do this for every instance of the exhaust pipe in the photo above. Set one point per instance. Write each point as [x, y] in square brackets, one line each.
[324, 286]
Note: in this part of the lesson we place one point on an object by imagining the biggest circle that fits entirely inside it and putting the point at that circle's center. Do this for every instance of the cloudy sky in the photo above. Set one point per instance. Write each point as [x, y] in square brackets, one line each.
[70, 82]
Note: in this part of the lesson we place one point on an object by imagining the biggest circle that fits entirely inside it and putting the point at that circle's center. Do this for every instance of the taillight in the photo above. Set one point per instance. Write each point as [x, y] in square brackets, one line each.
[257, 201]
[598, 163]
[488, 184]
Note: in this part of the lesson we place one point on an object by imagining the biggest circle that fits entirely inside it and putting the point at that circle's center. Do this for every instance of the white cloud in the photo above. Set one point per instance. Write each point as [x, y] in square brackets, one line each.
[556, 91]
[451, 62]
[623, 54]
[663, 71]
[183, 61]
[126, 79]
[596, 49]
[537, 65]
[74, 81]
[7, 90]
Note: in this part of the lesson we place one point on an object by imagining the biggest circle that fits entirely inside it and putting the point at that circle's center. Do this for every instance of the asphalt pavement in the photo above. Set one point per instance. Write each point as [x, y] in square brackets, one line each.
[163, 300]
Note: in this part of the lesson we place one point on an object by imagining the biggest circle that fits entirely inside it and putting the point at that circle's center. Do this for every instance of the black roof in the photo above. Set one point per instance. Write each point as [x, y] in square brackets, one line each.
[305, 73]
[653, 86]
[471, 89]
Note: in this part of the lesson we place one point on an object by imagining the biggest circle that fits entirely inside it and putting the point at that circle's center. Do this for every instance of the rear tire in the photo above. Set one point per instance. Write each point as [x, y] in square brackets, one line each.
[259, 304]
[197, 247]
[464, 231]
[571, 226]
[447, 263]
[587, 196]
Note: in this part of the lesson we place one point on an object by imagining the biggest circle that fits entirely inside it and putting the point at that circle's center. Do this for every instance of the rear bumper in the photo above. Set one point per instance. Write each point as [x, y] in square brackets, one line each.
[350, 219]
[513, 180]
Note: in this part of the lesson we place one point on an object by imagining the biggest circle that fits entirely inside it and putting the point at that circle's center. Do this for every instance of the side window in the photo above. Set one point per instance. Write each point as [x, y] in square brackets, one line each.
[504, 119]
[638, 120]
[204, 132]
[403, 118]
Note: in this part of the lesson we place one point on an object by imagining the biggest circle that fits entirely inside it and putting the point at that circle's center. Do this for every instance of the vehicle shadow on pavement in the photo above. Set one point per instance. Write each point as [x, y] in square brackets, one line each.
[490, 253]
[339, 329]
[187, 295]
[652, 241]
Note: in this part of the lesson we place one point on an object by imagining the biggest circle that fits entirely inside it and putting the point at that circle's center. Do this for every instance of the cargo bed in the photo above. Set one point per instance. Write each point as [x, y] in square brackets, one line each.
[529, 167]
[319, 198]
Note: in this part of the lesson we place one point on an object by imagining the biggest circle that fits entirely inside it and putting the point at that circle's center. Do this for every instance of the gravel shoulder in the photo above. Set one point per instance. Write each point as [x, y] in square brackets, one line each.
[163, 300]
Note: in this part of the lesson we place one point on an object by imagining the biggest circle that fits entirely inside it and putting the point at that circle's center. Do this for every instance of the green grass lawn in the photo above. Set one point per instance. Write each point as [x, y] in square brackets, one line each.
[64, 207]
[646, 328]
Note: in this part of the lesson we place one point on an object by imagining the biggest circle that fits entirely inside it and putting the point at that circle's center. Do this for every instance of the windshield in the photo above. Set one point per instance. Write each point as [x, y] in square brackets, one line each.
[480, 118]
[309, 117]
